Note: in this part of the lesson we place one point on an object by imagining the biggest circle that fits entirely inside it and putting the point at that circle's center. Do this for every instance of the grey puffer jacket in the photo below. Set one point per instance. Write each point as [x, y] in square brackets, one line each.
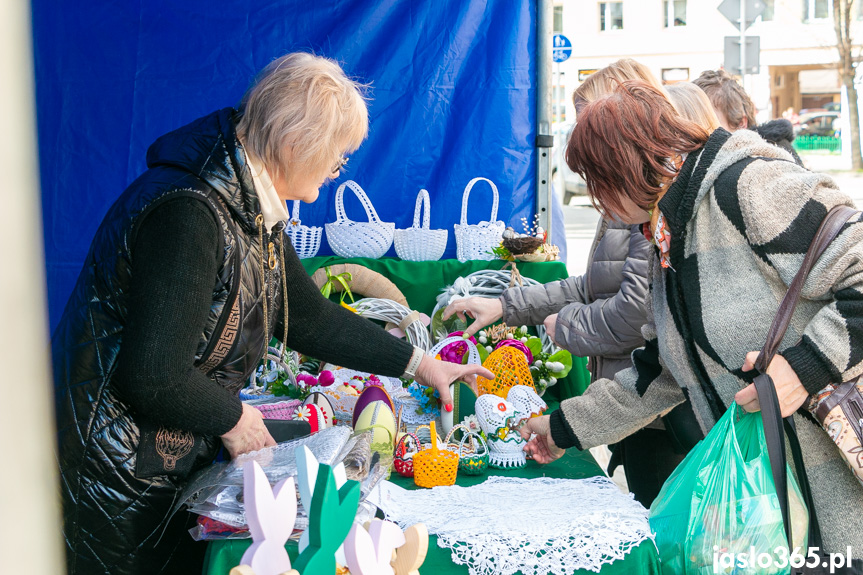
[600, 313]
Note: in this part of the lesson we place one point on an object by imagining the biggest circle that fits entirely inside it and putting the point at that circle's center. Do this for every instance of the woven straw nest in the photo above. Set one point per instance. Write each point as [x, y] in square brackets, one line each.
[518, 246]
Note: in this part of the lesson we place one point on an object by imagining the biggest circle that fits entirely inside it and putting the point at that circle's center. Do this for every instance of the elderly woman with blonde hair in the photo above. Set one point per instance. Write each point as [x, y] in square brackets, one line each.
[188, 278]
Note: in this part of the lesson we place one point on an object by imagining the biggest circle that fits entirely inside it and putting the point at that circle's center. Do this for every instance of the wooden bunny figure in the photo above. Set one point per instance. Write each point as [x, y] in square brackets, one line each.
[271, 514]
[307, 474]
[331, 515]
[370, 552]
[411, 555]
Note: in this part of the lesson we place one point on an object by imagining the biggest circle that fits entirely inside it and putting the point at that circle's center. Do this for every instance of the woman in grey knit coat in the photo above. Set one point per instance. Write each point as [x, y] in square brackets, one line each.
[731, 217]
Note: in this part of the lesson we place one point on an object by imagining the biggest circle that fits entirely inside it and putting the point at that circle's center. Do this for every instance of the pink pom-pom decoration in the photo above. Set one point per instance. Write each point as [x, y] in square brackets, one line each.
[307, 380]
[326, 378]
[455, 352]
[517, 345]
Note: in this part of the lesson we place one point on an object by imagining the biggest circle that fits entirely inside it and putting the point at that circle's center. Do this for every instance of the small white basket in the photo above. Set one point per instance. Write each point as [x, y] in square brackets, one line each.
[420, 244]
[305, 239]
[475, 241]
[351, 239]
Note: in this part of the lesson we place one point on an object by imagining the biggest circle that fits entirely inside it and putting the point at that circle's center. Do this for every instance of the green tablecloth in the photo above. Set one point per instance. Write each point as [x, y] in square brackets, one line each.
[643, 559]
[421, 282]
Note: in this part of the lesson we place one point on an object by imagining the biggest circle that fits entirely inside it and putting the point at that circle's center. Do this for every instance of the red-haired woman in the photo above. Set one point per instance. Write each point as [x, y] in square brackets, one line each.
[731, 217]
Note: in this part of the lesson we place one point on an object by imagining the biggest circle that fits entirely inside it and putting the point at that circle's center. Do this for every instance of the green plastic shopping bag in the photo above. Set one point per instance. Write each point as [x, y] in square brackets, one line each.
[720, 505]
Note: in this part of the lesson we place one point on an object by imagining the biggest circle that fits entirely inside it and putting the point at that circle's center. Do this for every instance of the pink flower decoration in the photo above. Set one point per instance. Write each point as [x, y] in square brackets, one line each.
[374, 380]
[306, 379]
[326, 378]
[517, 345]
[455, 352]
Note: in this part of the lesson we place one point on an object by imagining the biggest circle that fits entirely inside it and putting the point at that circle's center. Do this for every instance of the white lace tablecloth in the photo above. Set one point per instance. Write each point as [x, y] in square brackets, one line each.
[536, 526]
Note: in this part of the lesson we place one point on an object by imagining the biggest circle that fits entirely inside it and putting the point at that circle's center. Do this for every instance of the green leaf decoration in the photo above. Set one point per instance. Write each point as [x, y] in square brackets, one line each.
[440, 328]
[534, 344]
[565, 358]
[344, 283]
[483, 353]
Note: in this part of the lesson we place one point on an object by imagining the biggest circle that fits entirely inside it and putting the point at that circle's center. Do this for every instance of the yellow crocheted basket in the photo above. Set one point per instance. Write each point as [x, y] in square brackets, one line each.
[434, 467]
[509, 365]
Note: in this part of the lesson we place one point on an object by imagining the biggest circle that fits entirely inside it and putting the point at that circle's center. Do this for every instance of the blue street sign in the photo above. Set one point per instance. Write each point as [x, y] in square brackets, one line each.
[561, 48]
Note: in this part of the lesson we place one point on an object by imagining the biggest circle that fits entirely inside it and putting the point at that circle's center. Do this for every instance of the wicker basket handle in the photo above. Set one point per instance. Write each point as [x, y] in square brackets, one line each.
[341, 216]
[466, 195]
[472, 353]
[295, 212]
[423, 203]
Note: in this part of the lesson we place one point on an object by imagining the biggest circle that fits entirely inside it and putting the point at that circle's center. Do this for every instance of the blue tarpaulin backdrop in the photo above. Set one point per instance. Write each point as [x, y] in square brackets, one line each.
[452, 97]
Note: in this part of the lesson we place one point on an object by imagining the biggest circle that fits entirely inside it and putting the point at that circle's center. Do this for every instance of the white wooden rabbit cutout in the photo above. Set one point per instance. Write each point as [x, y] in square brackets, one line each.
[271, 514]
[370, 552]
[307, 474]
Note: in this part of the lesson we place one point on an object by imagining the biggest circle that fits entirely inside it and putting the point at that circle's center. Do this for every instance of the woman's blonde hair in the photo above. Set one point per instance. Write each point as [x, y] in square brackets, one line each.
[693, 104]
[605, 81]
[303, 105]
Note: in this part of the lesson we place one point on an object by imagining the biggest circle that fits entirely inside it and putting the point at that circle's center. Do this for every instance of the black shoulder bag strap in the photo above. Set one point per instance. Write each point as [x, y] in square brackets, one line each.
[775, 428]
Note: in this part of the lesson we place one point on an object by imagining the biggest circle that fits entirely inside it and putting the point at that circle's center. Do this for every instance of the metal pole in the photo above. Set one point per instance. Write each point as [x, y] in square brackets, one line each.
[544, 137]
[742, 45]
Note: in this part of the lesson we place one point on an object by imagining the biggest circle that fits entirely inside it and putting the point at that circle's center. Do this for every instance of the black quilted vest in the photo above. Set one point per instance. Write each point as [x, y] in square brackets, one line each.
[98, 430]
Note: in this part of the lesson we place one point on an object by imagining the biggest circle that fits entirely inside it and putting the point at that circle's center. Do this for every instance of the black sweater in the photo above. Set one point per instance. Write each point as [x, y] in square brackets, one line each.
[175, 261]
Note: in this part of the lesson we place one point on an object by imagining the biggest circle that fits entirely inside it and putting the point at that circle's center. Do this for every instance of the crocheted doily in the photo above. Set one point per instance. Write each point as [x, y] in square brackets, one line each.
[536, 526]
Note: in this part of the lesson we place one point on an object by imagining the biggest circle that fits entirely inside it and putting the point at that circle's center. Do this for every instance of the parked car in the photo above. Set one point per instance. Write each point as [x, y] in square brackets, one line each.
[817, 124]
[573, 184]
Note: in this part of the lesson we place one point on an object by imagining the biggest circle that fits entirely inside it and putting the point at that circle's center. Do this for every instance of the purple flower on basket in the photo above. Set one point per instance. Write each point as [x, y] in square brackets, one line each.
[326, 378]
[517, 345]
[455, 352]
[306, 379]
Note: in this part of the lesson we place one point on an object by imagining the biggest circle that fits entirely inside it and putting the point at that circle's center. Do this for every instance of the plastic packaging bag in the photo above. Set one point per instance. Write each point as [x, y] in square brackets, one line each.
[721, 500]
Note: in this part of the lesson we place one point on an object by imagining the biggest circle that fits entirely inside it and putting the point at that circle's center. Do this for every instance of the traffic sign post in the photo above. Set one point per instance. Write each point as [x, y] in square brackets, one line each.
[561, 48]
[742, 13]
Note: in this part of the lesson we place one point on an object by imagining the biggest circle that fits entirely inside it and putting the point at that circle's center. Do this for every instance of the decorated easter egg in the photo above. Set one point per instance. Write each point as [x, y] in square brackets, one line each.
[370, 394]
[526, 401]
[347, 389]
[378, 417]
[319, 399]
[314, 415]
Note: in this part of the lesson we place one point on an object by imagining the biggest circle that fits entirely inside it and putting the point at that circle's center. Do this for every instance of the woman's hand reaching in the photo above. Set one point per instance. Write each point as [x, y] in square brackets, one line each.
[484, 311]
[541, 447]
[250, 433]
[440, 374]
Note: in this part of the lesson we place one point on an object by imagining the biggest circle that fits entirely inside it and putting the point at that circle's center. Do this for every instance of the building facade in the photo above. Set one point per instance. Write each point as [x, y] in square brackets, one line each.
[678, 39]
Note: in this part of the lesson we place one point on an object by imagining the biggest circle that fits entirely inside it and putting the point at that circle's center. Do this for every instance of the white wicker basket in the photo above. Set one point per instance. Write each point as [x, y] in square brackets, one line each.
[305, 239]
[395, 313]
[419, 243]
[475, 241]
[351, 239]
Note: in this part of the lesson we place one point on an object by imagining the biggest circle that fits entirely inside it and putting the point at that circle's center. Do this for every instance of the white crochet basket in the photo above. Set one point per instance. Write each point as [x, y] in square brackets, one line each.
[419, 243]
[475, 241]
[305, 239]
[351, 239]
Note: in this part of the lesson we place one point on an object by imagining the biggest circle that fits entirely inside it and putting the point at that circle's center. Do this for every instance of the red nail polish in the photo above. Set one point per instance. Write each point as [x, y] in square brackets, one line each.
[448, 407]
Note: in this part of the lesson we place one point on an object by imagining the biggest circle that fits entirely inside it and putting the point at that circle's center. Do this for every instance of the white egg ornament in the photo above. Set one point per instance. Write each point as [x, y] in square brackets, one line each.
[378, 417]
